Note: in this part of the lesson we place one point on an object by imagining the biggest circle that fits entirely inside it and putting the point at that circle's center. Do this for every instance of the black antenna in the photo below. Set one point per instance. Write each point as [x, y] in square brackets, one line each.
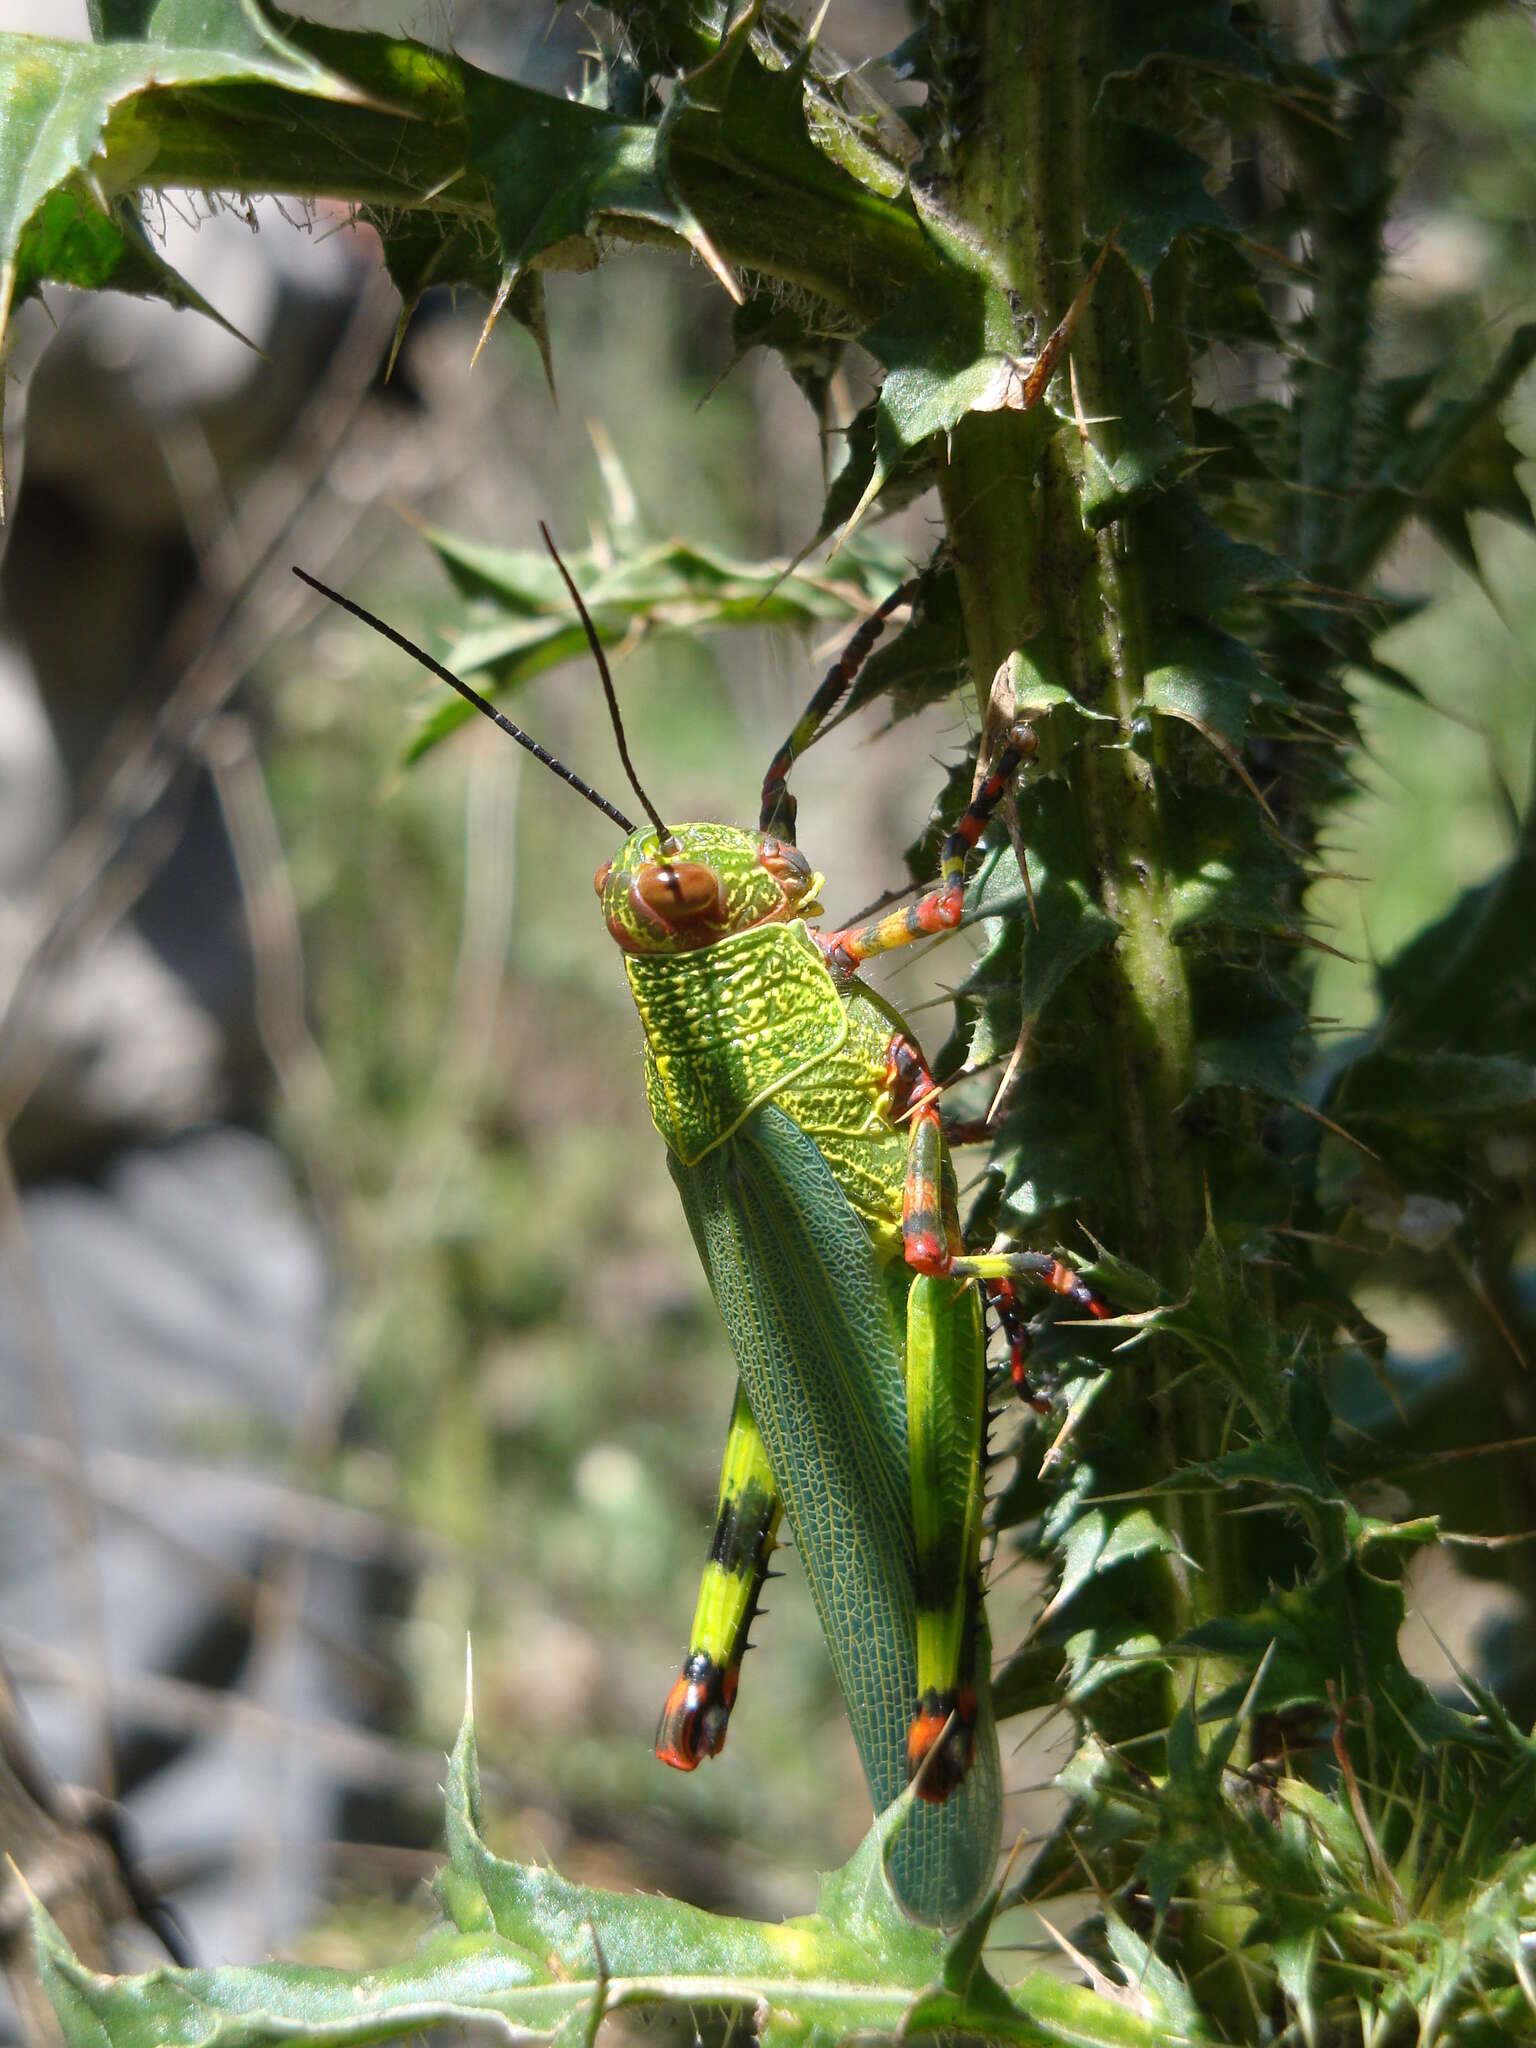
[446, 675]
[664, 837]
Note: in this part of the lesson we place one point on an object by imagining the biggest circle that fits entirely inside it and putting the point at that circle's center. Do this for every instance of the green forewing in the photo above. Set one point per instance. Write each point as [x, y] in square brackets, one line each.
[816, 1328]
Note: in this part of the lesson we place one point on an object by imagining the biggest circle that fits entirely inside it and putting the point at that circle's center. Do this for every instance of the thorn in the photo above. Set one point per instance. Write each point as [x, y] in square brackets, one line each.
[503, 292]
[406, 311]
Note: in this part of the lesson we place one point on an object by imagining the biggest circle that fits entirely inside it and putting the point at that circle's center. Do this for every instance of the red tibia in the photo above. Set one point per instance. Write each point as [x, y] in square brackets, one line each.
[1015, 1326]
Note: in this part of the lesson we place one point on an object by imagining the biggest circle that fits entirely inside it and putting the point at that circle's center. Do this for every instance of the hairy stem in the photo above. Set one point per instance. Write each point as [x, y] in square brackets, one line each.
[1076, 608]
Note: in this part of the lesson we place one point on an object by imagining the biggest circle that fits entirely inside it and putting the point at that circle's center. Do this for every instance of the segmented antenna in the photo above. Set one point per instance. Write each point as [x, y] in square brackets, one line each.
[446, 675]
[663, 836]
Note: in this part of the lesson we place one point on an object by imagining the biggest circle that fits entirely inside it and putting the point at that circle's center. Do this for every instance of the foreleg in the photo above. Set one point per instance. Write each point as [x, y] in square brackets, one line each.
[847, 948]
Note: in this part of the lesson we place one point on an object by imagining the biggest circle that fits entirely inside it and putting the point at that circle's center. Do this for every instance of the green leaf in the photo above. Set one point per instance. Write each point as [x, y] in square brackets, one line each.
[811, 357]
[235, 26]
[557, 168]
[1276, 1465]
[1457, 459]
[59, 220]
[859, 1934]
[1246, 1030]
[757, 116]
[1053, 1150]
[562, 1956]
[74, 239]
[1030, 1681]
[1193, 567]
[951, 347]
[1196, 33]
[1460, 977]
[1097, 1541]
[469, 177]
[422, 251]
[1222, 1322]
[1145, 449]
[925, 663]
[1152, 1980]
[1206, 678]
[1155, 190]
[1437, 1088]
[854, 485]
[1339, 1630]
[1031, 953]
[1226, 867]
[677, 587]
[448, 1982]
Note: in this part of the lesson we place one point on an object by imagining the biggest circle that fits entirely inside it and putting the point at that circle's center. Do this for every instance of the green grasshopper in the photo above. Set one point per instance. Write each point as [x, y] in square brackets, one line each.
[802, 1129]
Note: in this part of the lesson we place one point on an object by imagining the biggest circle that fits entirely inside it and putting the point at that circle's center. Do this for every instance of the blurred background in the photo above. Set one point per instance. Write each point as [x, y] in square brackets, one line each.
[348, 1309]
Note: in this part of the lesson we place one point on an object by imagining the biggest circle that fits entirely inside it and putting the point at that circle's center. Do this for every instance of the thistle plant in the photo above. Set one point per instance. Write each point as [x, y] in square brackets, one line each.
[1083, 229]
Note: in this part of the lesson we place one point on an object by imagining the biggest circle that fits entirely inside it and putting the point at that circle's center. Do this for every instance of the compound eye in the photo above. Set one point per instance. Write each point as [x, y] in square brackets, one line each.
[679, 889]
[600, 879]
[784, 863]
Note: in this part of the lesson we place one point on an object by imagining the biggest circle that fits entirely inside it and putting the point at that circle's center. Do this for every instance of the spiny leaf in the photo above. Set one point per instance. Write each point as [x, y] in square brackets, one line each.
[1206, 678]
[925, 663]
[951, 347]
[506, 177]
[1156, 1986]
[678, 586]
[240, 27]
[1438, 986]
[1032, 950]
[1052, 1150]
[912, 474]
[1437, 1088]
[555, 178]
[1195, 568]
[641, 1934]
[1220, 1320]
[1192, 32]
[1246, 1030]
[1226, 867]
[58, 220]
[1150, 191]
[1145, 450]
[1455, 460]
[1338, 1631]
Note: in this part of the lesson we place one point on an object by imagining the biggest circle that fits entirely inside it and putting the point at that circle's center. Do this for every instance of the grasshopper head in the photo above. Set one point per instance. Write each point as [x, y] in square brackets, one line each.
[711, 881]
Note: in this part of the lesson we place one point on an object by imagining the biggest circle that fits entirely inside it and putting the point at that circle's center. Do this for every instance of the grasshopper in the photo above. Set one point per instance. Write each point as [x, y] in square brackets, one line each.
[802, 1129]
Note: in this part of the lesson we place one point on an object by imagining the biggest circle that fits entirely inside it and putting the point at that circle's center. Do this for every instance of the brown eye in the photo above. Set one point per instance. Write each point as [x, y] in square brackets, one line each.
[784, 863]
[600, 879]
[680, 889]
